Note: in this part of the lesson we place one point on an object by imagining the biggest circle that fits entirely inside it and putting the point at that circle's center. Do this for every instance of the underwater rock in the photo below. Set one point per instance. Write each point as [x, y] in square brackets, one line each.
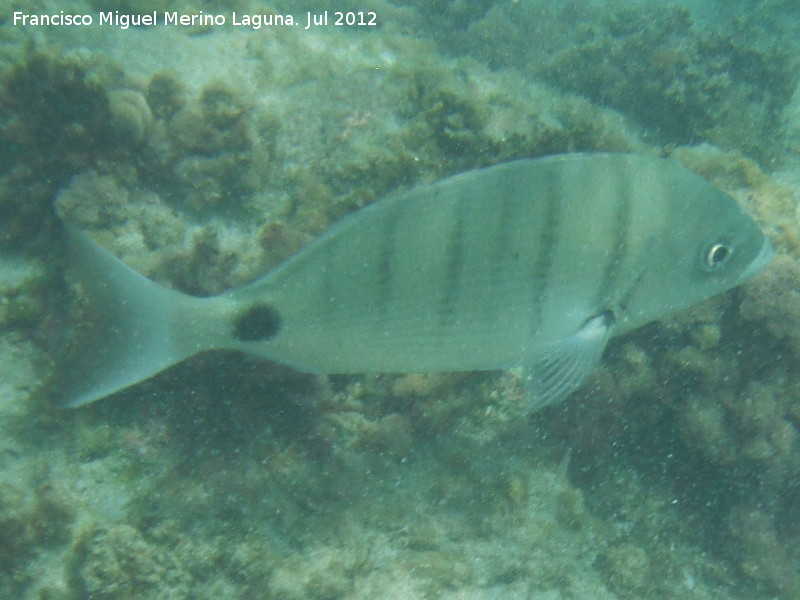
[92, 200]
[130, 115]
[212, 145]
[774, 300]
[118, 563]
[626, 569]
[705, 428]
[16, 533]
[727, 82]
[22, 293]
[25, 206]
[55, 105]
[213, 123]
[165, 94]
[57, 118]
[31, 521]
[53, 513]
[761, 554]
[222, 106]
[322, 572]
[391, 436]
[200, 270]
[765, 431]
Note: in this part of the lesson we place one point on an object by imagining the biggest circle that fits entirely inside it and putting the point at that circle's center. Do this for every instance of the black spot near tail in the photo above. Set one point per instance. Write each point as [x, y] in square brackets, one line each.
[257, 323]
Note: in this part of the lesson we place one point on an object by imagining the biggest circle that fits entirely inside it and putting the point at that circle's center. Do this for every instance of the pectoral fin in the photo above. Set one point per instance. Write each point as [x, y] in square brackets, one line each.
[561, 369]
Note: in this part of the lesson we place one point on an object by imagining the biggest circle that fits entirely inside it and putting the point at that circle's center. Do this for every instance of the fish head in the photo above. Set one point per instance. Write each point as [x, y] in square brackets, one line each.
[707, 244]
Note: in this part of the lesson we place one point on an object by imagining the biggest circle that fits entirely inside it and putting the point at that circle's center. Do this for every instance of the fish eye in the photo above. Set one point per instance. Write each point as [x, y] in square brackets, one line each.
[717, 255]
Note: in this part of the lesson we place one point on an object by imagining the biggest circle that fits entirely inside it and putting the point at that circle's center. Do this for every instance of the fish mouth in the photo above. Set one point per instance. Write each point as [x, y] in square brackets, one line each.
[759, 262]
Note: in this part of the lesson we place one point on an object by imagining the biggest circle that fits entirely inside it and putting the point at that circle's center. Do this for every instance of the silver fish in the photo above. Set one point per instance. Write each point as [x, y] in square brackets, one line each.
[532, 263]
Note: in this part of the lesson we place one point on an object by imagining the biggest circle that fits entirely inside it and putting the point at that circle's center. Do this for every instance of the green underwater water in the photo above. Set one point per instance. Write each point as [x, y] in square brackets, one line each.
[203, 156]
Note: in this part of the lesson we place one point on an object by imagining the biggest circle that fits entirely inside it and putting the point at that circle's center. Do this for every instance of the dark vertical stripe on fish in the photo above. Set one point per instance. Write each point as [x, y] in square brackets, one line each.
[499, 261]
[551, 192]
[620, 229]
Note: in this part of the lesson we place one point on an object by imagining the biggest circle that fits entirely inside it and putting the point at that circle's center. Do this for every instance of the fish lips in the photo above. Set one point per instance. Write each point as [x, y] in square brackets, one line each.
[759, 262]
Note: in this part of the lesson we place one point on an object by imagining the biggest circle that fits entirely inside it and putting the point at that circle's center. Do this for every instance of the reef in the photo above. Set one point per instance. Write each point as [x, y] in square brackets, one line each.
[48, 120]
[726, 80]
[119, 563]
[671, 473]
[684, 84]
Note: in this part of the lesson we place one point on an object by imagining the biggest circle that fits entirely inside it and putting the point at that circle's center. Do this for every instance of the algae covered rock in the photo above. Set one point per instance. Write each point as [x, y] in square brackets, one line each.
[17, 537]
[319, 573]
[761, 551]
[130, 115]
[774, 299]
[118, 563]
[60, 114]
[725, 81]
[682, 82]
[626, 569]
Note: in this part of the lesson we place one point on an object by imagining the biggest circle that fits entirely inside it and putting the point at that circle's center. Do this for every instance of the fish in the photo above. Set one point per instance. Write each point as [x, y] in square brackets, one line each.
[532, 264]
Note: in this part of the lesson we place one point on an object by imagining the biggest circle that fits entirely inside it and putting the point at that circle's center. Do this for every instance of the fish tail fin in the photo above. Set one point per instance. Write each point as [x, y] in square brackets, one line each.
[132, 329]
